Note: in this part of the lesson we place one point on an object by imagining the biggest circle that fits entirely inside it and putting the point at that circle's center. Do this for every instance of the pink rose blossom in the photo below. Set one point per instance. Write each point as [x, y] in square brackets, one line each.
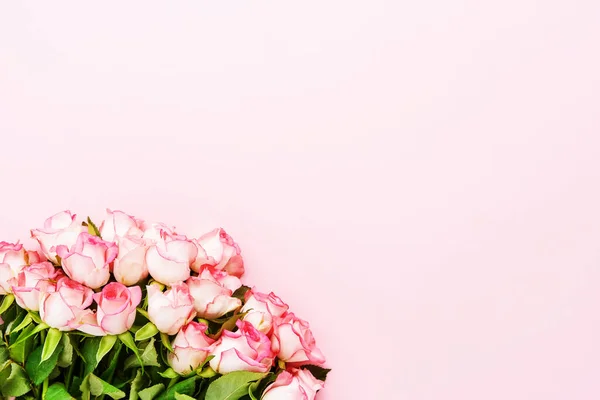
[170, 310]
[130, 265]
[13, 258]
[118, 224]
[117, 307]
[244, 350]
[59, 229]
[296, 384]
[190, 348]
[169, 259]
[218, 249]
[66, 306]
[31, 282]
[211, 298]
[156, 231]
[89, 259]
[262, 308]
[293, 341]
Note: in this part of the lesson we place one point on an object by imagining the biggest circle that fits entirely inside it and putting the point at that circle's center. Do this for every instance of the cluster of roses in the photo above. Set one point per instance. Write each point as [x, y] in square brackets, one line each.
[95, 280]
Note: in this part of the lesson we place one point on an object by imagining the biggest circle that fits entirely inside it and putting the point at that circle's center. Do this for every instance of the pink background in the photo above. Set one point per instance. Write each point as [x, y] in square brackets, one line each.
[419, 179]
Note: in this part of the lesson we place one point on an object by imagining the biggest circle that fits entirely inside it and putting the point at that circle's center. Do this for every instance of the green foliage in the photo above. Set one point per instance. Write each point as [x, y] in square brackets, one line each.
[38, 369]
[92, 228]
[318, 372]
[13, 380]
[146, 332]
[51, 342]
[232, 386]
[58, 391]
[148, 358]
[151, 392]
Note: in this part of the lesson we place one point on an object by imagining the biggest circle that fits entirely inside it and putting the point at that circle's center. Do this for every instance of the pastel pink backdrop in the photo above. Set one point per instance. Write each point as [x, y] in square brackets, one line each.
[417, 179]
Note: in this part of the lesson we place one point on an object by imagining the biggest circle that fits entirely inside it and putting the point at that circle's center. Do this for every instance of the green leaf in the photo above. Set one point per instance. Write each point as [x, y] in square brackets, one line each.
[23, 344]
[92, 385]
[92, 228]
[143, 313]
[51, 342]
[128, 341]
[57, 391]
[26, 321]
[16, 384]
[148, 358]
[4, 354]
[89, 352]
[318, 372]
[169, 373]
[151, 392]
[240, 293]
[232, 386]
[187, 387]
[166, 341]
[136, 385]
[146, 332]
[228, 325]
[179, 396]
[66, 355]
[256, 389]
[39, 369]
[27, 333]
[6, 302]
[106, 344]
[36, 317]
[114, 362]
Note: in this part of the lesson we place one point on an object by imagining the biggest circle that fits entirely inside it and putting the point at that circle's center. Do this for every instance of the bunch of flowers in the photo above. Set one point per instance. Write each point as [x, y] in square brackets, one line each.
[135, 309]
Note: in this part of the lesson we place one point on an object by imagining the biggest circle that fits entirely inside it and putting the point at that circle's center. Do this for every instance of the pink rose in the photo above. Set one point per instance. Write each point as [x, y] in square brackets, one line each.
[118, 224]
[156, 231]
[293, 342]
[296, 384]
[66, 306]
[262, 308]
[211, 298]
[244, 350]
[59, 229]
[89, 259]
[117, 307]
[13, 258]
[31, 282]
[218, 249]
[190, 348]
[130, 265]
[170, 310]
[169, 259]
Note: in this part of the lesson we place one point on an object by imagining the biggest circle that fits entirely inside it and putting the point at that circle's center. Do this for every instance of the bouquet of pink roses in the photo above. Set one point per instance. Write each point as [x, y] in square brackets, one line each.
[135, 309]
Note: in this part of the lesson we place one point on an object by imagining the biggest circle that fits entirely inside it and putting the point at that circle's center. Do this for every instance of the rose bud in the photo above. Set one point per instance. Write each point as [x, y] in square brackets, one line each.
[31, 281]
[169, 260]
[13, 258]
[88, 260]
[211, 298]
[65, 307]
[170, 310]
[130, 265]
[296, 384]
[118, 224]
[218, 249]
[293, 341]
[262, 308]
[59, 229]
[244, 350]
[117, 307]
[190, 348]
